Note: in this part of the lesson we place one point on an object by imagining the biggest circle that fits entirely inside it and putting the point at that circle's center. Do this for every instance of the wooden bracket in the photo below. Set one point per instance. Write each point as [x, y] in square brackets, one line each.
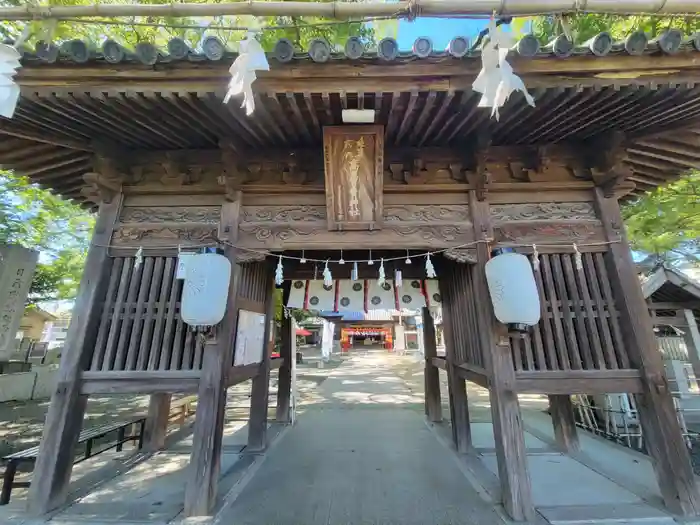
[396, 170]
[105, 182]
[291, 174]
[533, 167]
[457, 171]
[603, 160]
[231, 177]
[418, 174]
[100, 188]
[173, 170]
[480, 178]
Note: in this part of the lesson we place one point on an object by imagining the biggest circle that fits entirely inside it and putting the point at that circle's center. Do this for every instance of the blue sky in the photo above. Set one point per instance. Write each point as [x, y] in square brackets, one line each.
[439, 30]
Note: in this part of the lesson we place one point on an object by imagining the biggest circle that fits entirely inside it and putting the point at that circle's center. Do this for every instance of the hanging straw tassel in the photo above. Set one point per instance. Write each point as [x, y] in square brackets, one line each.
[354, 275]
[429, 268]
[382, 276]
[327, 277]
[279, 275]
[398, 279]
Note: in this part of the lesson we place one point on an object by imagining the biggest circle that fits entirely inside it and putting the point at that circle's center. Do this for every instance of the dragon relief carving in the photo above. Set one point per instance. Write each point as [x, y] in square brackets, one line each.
[549, 232]
[564, 211]
[431, 235]
[277, 214]
[201, 214]
[129, 234]
[438, 213]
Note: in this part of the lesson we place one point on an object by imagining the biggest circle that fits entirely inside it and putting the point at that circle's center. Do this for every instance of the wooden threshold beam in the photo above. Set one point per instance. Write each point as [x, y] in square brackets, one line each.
[579, 382]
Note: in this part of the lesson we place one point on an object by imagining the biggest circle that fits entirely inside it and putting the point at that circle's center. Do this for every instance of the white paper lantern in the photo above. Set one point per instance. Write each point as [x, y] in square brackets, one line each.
[513, 290]
[205, 292]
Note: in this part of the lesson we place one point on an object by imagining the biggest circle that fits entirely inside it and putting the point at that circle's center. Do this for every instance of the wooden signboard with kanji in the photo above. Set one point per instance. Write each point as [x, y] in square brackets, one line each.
[354, 173]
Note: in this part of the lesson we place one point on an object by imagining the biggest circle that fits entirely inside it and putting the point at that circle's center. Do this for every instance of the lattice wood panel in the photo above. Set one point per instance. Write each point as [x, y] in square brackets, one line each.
[140, 326]
[456, 288]
[580, 326]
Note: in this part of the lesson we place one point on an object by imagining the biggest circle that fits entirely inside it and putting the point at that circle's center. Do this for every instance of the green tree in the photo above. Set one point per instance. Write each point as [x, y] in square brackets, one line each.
[128, 31]
[584, 26]
[665, 224]
[60, 230]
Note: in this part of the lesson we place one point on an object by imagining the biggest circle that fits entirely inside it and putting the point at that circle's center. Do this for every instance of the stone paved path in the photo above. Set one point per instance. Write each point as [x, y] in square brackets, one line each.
[361, 454]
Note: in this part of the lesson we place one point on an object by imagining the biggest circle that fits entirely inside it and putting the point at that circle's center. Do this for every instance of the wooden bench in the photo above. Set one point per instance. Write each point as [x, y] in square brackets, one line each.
[181, 408]
[87, 437]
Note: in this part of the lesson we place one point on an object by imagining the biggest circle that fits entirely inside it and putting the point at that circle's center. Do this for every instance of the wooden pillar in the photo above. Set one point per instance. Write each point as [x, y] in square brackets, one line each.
[692, 342]
[505, 410]
[456, 386]
[205, 460]
[662, 431]
[284, 384]
[156, 428]
[257, 425]
[565, 433]
[64, 420]
[433, 404]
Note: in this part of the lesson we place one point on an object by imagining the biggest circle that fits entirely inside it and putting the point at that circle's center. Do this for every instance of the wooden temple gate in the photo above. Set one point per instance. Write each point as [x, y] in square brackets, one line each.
[168, 167]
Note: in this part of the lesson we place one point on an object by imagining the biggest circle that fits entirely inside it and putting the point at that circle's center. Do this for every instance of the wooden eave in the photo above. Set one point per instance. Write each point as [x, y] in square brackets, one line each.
[66, 108]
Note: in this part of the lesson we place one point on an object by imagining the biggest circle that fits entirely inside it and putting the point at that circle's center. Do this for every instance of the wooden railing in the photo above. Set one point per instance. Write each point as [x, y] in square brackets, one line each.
[580, 326]
[140, 326]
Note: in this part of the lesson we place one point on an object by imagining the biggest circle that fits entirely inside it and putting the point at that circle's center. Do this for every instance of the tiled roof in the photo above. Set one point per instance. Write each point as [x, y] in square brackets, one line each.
[212, 49]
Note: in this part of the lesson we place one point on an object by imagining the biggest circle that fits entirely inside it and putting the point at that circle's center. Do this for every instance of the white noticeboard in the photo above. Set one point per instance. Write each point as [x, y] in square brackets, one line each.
[249, 338]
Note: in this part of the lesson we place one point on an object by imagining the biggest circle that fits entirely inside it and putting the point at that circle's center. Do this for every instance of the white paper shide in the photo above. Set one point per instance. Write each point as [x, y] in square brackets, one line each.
[251, 58]
[9, 90]
[496, 80]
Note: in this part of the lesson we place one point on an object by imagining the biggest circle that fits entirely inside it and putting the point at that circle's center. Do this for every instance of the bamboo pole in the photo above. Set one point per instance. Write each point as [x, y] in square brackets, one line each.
[343, 10]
